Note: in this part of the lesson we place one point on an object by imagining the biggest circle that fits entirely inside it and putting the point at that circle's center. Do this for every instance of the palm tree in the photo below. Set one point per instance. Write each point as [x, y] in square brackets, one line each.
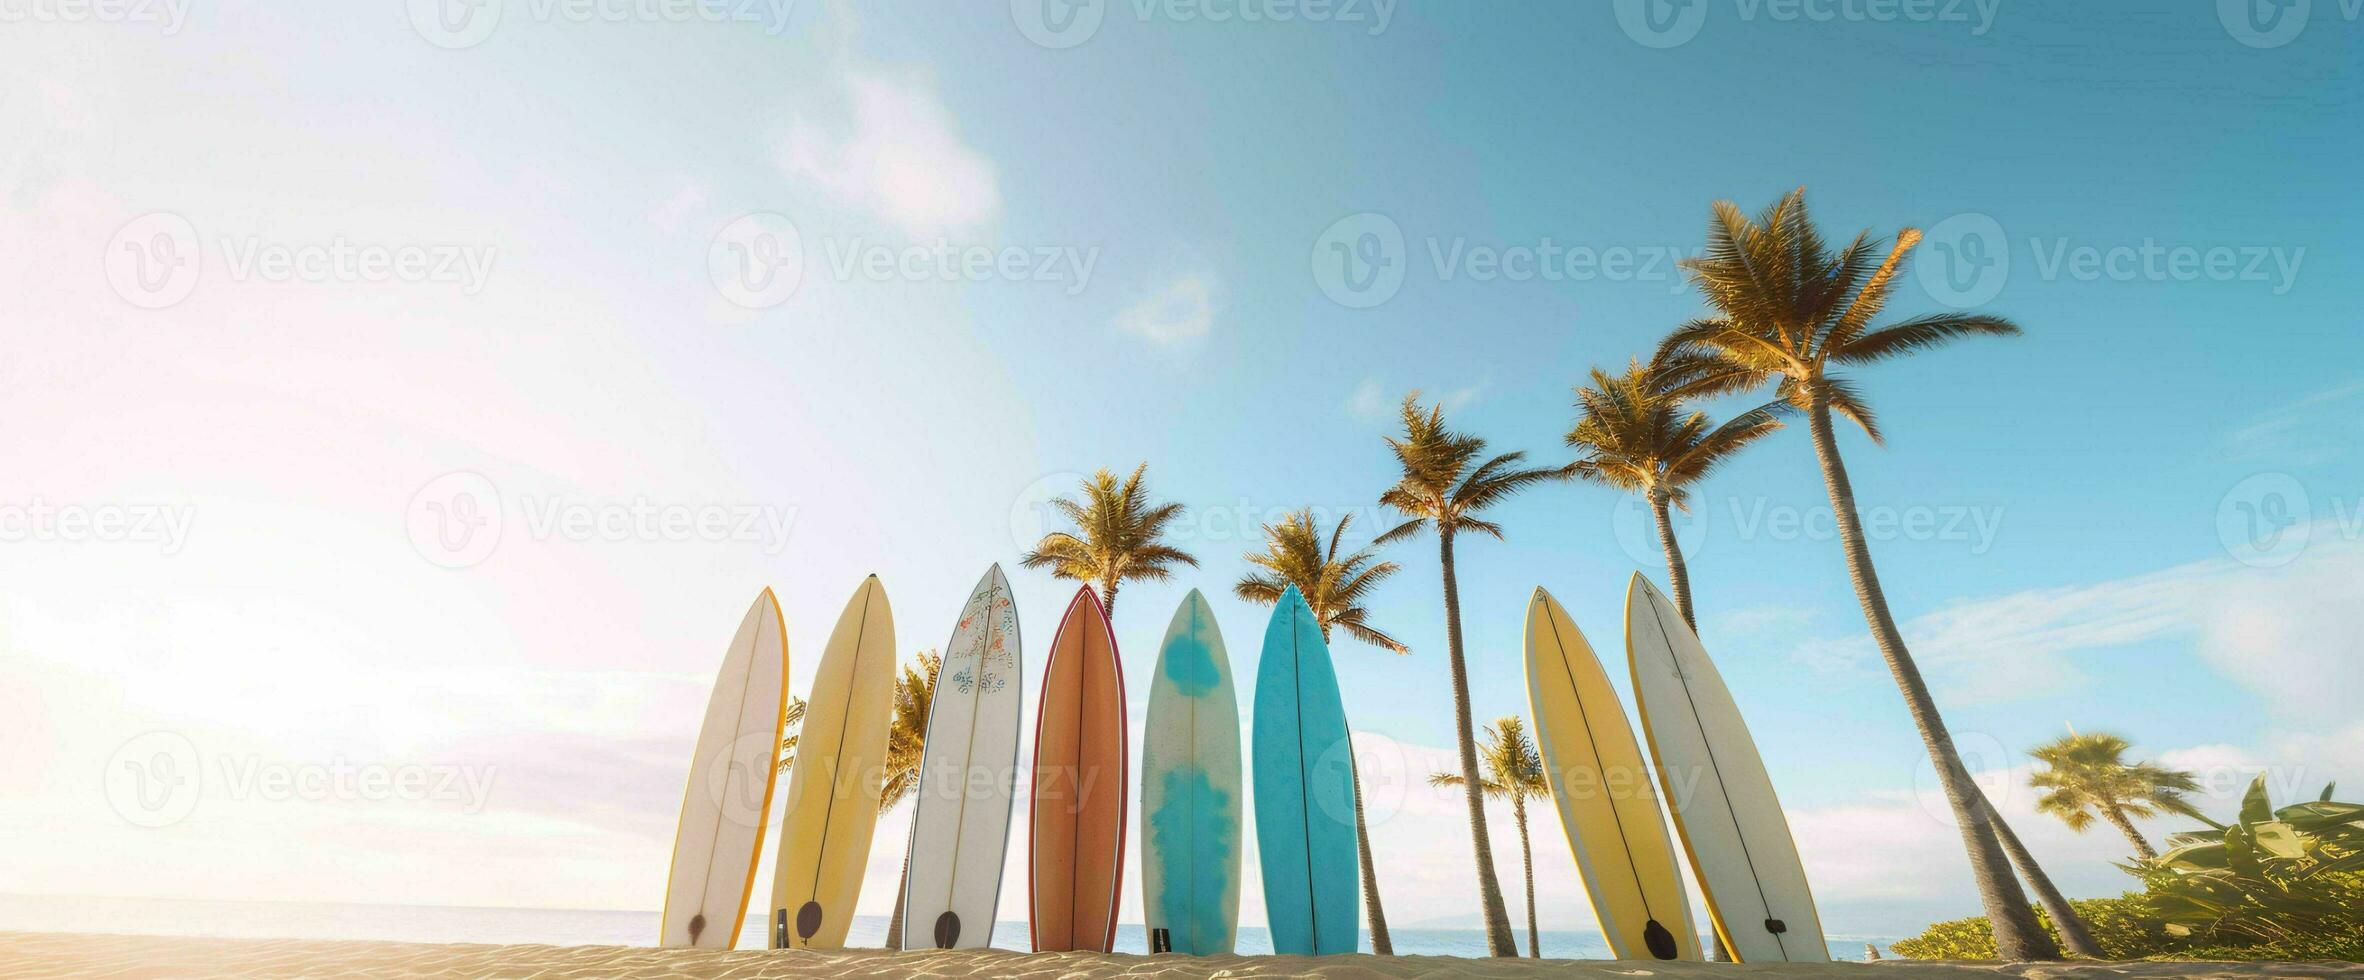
[1787, 310]
[791, 721]
[1637, 435]
[1444, 487]
[2073, 933]
[1334, 586]
[2088, 776]
[1117, 537]
[907, 734]
[1514, 772]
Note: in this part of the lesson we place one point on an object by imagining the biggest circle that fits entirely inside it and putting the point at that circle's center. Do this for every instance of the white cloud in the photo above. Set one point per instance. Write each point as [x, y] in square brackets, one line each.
[2314, 429]
[2284, 633]
[898, 155]
[1181, 312]
[673, 211]
[1374, 402]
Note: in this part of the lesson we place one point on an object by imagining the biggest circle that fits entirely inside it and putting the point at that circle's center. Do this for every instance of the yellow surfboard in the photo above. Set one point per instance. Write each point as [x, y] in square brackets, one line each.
[833, 784]
[1607, 801]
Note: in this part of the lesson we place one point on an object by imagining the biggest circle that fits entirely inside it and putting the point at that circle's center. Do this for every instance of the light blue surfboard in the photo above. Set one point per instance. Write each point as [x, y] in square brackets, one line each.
[1304, 790]
[1190, 791]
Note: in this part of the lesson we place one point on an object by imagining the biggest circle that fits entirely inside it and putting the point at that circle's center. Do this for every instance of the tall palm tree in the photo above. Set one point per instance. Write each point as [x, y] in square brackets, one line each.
[1334, 586]
[791, 722]
[2088, 776]
[1787, 310]
[2065, 920]
[907, 734]
[1514, 772]
[1444, 488]
[1637, 435]
[1116, 537]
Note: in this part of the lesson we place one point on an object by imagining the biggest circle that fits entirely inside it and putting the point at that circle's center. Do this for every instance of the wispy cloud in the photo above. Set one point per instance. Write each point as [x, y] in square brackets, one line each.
[1373, 401]
[897, 153]
[1180, 312]
[2317, 428]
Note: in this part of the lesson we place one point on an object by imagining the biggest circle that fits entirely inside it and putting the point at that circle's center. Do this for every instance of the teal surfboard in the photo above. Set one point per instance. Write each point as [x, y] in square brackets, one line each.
[1304, 790]
[1190, 791]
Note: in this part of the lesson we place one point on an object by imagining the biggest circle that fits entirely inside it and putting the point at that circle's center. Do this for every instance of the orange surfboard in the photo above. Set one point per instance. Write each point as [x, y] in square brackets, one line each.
[1078, 797]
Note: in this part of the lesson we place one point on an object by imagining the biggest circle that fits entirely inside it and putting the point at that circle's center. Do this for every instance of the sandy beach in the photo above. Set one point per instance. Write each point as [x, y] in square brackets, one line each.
[82, 955]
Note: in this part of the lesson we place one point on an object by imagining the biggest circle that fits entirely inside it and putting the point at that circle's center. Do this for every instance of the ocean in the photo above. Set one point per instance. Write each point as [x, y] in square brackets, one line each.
[163, 918]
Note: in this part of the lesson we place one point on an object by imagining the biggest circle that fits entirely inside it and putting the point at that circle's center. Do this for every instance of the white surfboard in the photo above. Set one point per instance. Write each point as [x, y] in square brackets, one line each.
[1712, 778]
[960, 828]
[720, 839]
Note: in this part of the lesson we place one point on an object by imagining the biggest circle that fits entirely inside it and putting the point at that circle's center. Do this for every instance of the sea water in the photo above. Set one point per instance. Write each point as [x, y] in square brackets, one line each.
[580, 927]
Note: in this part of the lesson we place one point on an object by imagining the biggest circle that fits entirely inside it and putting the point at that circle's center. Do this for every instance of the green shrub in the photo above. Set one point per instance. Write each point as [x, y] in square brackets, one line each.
[2124, 926]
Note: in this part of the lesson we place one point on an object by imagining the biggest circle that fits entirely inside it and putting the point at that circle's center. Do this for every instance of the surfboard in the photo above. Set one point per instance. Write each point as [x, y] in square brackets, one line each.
[1723, 800]
[719, 842]
[1076, 811]
[960, 821]
[1603, 790]
[1190, 791]
[833, 783]
[1304, 790]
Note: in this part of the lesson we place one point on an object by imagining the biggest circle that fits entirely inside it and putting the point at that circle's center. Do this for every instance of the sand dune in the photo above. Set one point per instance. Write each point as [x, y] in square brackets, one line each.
[66, 955]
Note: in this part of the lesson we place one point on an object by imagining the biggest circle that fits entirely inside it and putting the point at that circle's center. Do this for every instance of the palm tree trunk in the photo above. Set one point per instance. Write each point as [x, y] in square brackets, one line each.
[1498, 939]
[1678, 575]
[2065, 919]
[1518, 810]
[1373, 914]
[894, 937]
[2118, 819]
[2017, 935]
[1108, 603]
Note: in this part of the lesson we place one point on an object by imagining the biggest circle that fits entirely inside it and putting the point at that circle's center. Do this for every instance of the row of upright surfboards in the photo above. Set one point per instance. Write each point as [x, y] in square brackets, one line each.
[1190, 787]
[1608, 798]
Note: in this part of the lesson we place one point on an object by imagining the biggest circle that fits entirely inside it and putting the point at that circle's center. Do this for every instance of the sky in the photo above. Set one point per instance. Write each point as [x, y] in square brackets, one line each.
[404, 401]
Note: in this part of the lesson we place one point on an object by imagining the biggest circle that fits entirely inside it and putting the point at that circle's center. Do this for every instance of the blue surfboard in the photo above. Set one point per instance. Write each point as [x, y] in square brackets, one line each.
[1304, 790]
[1190, 791]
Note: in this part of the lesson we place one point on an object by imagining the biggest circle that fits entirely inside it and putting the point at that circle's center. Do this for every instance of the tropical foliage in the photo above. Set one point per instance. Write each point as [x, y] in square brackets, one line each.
[1789, 312]
[1637, 435]
[1444, 488]
[2087, 776]
[1118, 537]
[1334, 586]
[1514, 772]
[907, 735]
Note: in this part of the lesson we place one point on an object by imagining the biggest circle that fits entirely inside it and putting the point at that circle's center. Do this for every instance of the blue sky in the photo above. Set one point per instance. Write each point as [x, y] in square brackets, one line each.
[2163, 201]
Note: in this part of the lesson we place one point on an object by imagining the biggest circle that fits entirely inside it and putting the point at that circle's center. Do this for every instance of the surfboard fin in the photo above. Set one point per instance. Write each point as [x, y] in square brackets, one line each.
[808, 920]
[1660, 941]
[947, 930]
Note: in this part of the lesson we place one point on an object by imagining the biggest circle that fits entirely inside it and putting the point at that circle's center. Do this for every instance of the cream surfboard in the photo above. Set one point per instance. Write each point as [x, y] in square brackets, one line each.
[720, 840]
[1190, 791]
[968, 775]
[1602, 788]
[1723, 800]
[833, 781]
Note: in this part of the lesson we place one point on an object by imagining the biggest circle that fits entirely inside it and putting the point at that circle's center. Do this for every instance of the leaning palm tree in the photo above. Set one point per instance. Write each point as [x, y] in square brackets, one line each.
[1637, 435]
[791, 722]
[2088, 776]
[1334, 586]
[907, 734]
[1444, 487]
[1788, 310]
[1116, 537]
[1514, 772]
